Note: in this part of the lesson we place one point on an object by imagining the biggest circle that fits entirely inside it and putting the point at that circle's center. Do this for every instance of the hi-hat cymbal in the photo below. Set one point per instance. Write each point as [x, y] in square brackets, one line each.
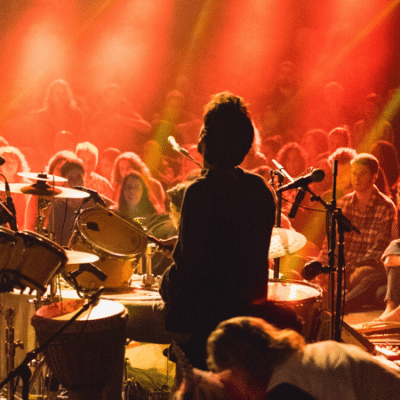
[41, 176]
[45, 190]
[80, 257]
[284, 242]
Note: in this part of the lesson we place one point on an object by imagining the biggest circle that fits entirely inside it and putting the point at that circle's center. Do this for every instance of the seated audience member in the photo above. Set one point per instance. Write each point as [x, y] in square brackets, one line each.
[65, 210]
[373, 214]
[134, 201]
[32, 222]
[89, 155]
[15, 162]
[315, 144]
[386, 154]
[373, 127]
[391, 260]
[59, 113]
[254, 360]
[293, 158]
[106, 162]
[116, 124]
[127, 162]
[338, 137]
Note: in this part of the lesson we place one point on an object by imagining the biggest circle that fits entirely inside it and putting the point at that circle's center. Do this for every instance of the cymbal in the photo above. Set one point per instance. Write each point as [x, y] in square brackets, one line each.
[80, 257]
[41, 176]
[284, 242]
[45, 190]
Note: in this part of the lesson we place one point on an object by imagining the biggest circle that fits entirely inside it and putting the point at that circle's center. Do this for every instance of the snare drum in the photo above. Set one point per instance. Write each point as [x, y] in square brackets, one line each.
[302, 297]
[29, 260]
[90, 351]
[114, 239]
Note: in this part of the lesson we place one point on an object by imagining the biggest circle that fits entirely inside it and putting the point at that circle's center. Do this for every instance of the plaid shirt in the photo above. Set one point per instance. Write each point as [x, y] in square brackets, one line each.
[375, 224]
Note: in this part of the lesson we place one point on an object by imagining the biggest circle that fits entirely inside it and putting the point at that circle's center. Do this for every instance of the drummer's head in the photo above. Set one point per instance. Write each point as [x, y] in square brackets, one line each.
[251, 348]
[227, 134]
[74, 172]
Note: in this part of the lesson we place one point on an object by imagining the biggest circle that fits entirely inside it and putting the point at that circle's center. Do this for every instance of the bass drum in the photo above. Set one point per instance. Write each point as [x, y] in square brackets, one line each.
[116, 240]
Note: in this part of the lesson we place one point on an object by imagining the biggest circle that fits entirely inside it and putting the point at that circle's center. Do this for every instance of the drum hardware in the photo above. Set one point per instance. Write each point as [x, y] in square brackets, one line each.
[23, 370]
[148, 278]
[41, 176]
[10, 346]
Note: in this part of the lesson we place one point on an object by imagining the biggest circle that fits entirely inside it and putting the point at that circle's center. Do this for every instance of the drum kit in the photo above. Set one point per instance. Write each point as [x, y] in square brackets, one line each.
[103, 250]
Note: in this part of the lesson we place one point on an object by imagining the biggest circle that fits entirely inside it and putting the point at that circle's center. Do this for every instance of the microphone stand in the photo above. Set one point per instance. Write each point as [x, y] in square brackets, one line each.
[281, 174]
[343, 224]
[23, 370]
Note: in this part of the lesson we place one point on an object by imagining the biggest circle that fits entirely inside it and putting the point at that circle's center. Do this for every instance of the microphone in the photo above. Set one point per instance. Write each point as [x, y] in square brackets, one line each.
[93, 195]
[5, 214]
[316, 175]
[299, 198]
[182, 151]
[10, 206]
[176, 146]
[314, 268]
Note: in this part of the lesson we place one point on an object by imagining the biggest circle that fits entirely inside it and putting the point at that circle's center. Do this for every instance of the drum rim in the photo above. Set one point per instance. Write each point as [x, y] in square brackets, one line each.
[93, 245]
[313, 299]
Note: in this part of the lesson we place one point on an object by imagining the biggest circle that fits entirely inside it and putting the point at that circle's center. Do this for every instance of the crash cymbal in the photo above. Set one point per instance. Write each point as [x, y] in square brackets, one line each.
[80, 257]
[41, 176]
[284, 242]
[43, 189]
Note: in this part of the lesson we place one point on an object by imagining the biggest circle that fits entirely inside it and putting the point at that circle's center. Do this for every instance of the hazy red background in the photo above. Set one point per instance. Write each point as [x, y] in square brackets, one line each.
[200, 47]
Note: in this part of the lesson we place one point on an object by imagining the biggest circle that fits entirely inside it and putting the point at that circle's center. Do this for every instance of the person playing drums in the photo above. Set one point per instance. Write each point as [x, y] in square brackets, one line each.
[221, 256]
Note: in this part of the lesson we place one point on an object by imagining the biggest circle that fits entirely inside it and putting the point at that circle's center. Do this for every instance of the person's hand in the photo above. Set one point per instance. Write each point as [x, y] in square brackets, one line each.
[166, 246]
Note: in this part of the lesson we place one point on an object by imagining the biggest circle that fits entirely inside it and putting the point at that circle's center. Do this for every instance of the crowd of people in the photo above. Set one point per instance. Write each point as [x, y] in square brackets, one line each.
[221, 226]
[130, 163]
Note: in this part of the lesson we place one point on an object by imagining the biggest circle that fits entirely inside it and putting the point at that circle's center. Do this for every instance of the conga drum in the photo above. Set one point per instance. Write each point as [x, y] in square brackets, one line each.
[86, 355]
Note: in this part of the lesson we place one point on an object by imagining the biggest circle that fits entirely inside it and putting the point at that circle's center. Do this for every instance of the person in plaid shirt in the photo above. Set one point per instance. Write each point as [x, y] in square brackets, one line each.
[374, 215]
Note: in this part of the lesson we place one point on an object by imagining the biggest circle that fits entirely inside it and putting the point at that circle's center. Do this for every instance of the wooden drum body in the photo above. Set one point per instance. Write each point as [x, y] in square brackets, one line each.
[88, 352]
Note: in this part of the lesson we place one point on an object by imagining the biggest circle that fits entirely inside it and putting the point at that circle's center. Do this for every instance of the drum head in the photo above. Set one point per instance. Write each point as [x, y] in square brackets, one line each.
[292, 291]
[107, 232]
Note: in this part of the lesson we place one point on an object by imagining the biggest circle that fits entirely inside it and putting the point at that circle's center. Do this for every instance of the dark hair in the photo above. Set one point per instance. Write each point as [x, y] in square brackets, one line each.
[343, 155]
[228, 132]
[283, 153]
[71, 165]
[368, 160]
[60, 156]
[251, 343]
[145, 206]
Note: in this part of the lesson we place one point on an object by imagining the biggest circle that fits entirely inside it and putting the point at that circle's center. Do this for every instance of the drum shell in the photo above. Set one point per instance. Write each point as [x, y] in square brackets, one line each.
[115, 240]
[304, 298]
[118, 270]
[8, 242]
[33, 259]
[88, 352]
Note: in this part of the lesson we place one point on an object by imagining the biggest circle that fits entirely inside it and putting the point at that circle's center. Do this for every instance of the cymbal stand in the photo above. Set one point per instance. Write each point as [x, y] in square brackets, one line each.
[10, 346]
